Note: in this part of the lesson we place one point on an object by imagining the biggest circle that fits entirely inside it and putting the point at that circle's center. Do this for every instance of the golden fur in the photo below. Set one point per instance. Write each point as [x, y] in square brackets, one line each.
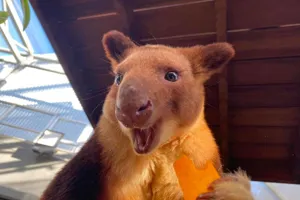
[178, 118]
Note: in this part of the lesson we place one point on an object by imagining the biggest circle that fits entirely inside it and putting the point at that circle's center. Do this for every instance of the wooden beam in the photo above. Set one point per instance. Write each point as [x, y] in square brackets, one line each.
[62, 49]
[221, 34]
[296, 156]
[125, 10]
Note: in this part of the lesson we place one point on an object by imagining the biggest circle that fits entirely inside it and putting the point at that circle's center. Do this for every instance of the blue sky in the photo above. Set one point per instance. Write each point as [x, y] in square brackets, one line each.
[35, 32]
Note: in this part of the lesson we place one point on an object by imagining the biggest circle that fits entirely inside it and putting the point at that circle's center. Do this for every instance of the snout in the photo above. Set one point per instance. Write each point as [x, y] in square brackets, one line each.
[133, 107]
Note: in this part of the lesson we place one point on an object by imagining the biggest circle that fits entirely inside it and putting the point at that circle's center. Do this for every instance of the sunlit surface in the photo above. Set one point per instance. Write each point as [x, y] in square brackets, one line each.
[35, 94]
[54, 103]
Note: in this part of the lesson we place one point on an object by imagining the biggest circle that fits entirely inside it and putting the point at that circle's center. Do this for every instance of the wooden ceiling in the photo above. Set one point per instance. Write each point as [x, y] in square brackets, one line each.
[253, 108]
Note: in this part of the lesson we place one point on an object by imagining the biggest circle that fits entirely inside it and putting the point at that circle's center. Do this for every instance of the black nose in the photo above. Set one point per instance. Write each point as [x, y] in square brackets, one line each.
[133, 108]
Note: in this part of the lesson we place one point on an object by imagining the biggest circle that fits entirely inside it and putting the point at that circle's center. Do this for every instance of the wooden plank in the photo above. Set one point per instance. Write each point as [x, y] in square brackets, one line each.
[257, 44]
[89, 59]
[296, 171]
[267, 43]
[91, 55]
[212, 116]
[212, 97]
[85, 32]
[213, 81]
[95, 81]
[93, 91]
[262, 13]
[296, 157]
[267, 71]
[74, 9]
[251, 151]
[262, 135]
[125, 11]
[221, 33]
[264, 96]
[175, 20]
[84, 37]
[215, 130]
[63, 50]
[182, 41]
[266, 170]
[277, 117]
[157, 3]
[264, 116]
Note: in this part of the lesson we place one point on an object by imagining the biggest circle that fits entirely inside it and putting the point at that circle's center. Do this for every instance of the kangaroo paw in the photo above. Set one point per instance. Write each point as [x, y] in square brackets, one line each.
[234, 186]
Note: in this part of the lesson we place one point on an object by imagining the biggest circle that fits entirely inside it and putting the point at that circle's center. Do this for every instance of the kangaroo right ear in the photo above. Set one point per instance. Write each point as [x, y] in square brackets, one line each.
[116, 46]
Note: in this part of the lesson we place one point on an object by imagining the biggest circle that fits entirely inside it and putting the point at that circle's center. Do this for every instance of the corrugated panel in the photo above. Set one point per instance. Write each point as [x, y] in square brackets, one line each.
[3, 108]
[45, 91]
[18, 133]
[28, 119]
[72, 130]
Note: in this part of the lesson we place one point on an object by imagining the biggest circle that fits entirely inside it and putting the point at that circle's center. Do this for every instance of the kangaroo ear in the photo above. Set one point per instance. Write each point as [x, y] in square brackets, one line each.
[215, 56]
[209, 59]
[116, 46]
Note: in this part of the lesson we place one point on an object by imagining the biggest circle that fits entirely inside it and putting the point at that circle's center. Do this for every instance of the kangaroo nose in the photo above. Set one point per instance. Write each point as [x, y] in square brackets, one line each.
[133, 108]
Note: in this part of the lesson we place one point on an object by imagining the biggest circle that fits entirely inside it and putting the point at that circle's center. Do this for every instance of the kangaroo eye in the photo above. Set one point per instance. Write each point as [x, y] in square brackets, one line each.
[171, 76]
[118, 79]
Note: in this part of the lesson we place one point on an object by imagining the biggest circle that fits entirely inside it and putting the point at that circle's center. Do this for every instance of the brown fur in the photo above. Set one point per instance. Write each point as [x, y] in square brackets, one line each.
[108, 167]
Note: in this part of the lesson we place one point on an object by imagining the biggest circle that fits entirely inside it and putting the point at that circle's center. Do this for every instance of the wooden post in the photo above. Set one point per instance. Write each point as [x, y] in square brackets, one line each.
[221, 34]
[124, 9]
[296, 149]
[62, 49]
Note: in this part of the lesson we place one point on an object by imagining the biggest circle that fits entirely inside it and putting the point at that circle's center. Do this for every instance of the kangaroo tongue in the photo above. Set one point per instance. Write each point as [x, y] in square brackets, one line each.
[142, 139]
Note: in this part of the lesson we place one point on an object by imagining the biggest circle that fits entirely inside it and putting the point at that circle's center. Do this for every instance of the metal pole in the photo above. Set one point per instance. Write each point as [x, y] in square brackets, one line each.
[19, 26]
[11, 44]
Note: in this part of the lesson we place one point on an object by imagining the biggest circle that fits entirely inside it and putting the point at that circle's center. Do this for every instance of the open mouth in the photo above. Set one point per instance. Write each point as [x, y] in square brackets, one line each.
[143, 140]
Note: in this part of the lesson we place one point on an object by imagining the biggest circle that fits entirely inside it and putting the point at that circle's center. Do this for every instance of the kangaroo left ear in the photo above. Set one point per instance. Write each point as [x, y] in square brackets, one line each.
[116, 46]
[215, 56]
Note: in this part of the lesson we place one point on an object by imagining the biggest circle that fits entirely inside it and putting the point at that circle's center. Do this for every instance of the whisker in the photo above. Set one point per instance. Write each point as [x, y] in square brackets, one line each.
[95, 108]
[214, 107]
[101, 93]
[99, 104]
[153, 37]
[105, 60]
[94, 91]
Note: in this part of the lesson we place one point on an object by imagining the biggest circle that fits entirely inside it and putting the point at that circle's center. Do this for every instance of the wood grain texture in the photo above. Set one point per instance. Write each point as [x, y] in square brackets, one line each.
[250, 14]
[212, 116]
[91, 54]
[266, 169]
[260, 151]
[264, 96]
[274, 117]
[91, 30]
[158, 3]
[265, 71]
[125, 11]
[212, 96]
[221, 33]
[75, 9]
[175, 20]
[183, 40]
[262, 135]
[264, 116]
[86, 42]
[267, 43]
